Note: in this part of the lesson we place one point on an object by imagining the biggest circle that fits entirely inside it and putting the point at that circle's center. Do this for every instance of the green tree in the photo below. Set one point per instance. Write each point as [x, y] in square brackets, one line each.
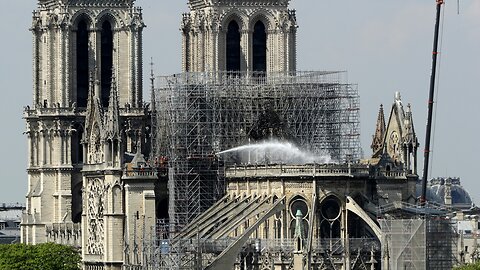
[475, 266]
[37, 257]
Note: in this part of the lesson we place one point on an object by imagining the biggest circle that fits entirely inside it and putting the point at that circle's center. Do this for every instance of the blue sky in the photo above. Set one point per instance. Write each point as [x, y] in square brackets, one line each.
[385, 46]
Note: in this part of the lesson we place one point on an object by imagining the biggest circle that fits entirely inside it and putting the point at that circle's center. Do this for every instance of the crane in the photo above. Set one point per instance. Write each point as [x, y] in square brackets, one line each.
[423, 198]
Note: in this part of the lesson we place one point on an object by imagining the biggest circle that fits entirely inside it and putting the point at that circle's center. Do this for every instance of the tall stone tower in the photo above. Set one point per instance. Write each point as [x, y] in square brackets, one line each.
[87, 112]
[239, 35]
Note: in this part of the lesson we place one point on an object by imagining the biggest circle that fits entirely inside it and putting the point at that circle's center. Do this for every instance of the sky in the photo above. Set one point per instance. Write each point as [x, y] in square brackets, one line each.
[385, 45]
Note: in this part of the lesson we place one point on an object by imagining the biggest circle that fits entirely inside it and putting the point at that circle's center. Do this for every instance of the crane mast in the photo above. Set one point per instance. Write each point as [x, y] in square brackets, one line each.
[423, 197]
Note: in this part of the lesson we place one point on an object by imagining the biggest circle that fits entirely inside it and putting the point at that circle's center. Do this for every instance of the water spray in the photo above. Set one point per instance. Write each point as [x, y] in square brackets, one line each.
[275, 151]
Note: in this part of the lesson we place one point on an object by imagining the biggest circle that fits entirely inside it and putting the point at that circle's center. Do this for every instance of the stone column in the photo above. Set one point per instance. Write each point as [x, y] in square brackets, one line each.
[36, 67]
[185, 52]
[48, 68]
[344, 236]
[272, 48]
[246, 50]
[415, 168]
[93, 50]
[221, 54]
[67, 87]
[202, 50]
[191, 51]
[30, 148]
[139, 68]
[293, 50]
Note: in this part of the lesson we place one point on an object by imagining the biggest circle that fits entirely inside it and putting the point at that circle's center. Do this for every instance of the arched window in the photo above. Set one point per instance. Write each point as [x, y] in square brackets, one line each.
[82, 64]
[259, 62]
[330, 216]
[233, 47]
[107, 61]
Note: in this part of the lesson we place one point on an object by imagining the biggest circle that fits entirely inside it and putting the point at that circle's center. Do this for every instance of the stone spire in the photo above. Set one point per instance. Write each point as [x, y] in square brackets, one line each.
[93, 125]
[410, 141]
[379, 137]
[299, 236]
[409, 135]
[299, 228]
[94, 108]
[112, 126]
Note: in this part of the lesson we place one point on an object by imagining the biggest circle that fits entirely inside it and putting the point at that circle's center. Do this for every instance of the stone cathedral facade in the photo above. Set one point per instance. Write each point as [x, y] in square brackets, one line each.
[86, 123]
[88, 128]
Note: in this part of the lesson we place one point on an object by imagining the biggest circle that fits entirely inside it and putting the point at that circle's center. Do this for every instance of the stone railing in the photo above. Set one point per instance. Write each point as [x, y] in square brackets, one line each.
[338, 245]
[72, 111]
[313, 170]
[391, 174]
[64, 233]
[53, 111]
[140, 173]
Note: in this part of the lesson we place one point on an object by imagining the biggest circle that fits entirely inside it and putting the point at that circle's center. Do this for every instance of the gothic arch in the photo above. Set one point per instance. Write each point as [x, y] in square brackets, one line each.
[298, 202]
[265, 16]
[234, 14]
[107, 15]
[299, 197]
[329, 215]
[83, 14]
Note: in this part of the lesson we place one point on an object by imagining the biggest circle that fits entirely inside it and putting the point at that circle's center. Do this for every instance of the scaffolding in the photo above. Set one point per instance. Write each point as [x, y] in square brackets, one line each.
[200, 114]
[418, 243]
[165, 252]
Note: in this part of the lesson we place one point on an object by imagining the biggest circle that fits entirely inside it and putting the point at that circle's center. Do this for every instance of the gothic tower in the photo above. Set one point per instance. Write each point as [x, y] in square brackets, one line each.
[238, 36]
[87, 112]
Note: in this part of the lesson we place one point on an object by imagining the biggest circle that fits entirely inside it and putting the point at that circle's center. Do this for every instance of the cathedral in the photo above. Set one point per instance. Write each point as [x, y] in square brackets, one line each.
[116, 177]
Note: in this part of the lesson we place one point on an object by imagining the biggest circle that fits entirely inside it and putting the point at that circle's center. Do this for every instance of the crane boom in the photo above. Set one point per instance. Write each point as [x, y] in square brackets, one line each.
[423, 197]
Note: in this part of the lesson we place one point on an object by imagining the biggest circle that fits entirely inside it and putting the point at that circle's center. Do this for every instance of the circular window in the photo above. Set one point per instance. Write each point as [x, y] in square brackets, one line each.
[330, 209]
[299, 204]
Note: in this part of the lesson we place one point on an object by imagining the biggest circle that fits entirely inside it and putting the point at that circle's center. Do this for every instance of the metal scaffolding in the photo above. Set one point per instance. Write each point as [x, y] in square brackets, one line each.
[418, 243]
[403, 246]
[165, 252]
[200, 114]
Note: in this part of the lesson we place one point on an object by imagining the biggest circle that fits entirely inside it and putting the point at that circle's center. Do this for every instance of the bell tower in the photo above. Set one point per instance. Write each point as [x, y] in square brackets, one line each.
[239, 36]
[86, 53]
